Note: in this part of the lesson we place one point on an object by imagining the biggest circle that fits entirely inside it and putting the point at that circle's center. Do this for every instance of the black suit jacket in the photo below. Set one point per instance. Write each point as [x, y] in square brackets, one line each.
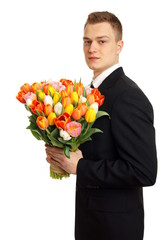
[116, 164]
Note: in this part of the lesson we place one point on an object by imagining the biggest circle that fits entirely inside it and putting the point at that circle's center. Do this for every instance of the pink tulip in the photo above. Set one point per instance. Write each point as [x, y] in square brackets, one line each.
[88, 90]
[73, 129]
[29, 97]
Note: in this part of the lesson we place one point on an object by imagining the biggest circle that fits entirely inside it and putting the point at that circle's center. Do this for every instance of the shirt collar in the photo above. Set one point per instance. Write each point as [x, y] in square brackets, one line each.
[100, 78]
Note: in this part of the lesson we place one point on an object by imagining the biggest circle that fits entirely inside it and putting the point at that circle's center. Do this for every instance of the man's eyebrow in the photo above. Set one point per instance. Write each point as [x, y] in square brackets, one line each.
[99, 37]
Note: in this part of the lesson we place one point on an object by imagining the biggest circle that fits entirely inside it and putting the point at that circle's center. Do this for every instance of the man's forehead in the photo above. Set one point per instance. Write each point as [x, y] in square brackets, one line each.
[98, 30]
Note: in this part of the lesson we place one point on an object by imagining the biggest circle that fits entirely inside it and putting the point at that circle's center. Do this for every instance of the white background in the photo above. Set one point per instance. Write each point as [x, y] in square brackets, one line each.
[41, 40]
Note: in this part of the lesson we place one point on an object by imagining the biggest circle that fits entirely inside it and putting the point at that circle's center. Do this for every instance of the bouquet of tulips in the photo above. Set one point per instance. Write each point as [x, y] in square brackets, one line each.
[62, 114]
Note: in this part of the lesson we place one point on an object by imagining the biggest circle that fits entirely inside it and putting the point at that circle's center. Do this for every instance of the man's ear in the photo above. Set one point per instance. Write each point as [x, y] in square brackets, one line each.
[120, 44]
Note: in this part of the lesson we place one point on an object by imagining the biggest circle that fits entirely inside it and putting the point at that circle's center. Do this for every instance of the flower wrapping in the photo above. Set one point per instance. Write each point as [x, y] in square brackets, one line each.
[62, 114]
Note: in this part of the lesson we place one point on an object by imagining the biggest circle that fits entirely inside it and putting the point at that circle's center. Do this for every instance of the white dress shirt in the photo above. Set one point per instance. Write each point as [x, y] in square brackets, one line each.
[100, 78]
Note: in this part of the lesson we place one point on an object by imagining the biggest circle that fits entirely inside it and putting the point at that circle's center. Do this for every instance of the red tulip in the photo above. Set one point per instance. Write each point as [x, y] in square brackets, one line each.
[98, 97]
[36, 105]
[20, 96]
[62, 120]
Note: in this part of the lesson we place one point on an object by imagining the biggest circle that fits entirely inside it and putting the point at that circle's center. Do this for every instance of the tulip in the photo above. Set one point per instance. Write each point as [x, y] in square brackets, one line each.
[51, 118]
[83, 108]
[82, 99]
[34, 87]
[58, 108]
[48, 89]
[62, 120]
[98, 97]
[66, 101]
[90, 98]
[70, 89]
[76, 115]
[48, 100]
[41, 95]
[26, 88]
[66, 82]
[64, 135]
[20, 96]
[37, 106]
[69, 109]
[42, 122]
[48, 109]
[74, 98]
[90, 115]
[64, 93]
[94, 106]
[73, 129]
[29, 97]
[79, 88]
[88, 90]
[56, 98]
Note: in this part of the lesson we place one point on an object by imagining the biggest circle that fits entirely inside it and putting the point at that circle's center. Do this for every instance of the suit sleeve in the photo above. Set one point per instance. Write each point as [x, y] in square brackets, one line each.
[134, 135]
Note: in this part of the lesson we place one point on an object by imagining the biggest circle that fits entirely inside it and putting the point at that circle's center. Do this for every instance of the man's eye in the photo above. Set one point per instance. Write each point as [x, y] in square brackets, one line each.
[101, 41]
[87, 42]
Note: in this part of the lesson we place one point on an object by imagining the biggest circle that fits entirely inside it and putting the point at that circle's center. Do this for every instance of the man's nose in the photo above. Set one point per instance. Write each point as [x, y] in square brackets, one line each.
[93, 47]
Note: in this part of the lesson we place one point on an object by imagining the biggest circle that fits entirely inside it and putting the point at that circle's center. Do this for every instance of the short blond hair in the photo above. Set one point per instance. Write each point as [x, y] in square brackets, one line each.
[99, 17]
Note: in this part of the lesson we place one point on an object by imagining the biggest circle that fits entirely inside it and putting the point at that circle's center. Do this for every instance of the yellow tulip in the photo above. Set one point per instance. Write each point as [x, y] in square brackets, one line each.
[90, 115]
[69, 109]
[41, 95]
[56, 97]
[51, 118]
[51, 90]
[74, 98]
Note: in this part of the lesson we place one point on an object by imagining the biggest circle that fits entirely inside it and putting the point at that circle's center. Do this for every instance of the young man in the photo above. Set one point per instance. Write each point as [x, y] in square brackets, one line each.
[113, 167]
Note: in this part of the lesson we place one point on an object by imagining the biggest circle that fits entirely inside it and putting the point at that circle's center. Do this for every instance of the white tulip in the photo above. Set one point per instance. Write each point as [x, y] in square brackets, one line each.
[64, 135]
[58, 108]
[94, 106]
[48, 100]
[82, 99]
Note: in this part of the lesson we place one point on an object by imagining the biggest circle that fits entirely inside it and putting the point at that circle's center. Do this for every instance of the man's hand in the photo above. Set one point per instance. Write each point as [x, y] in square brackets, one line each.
[56, 156]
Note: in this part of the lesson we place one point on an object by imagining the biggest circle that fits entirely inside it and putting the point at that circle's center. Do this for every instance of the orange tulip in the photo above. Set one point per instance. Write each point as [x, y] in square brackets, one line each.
[70, 89]
[76, 115]
[62, 120]
[26, 88]
[20, 96]
[63, 93]
[83, 108]
[66, 101]
[35, 86]
[48, 109]
[90, 98]
[37, 106]
[42, 122]
[51, 118]
[79, 88]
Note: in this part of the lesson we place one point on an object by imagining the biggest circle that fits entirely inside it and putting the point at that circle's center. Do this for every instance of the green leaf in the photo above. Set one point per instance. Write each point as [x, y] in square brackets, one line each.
[101, 114]
[66, 151]
[84, 92]
[36, 134]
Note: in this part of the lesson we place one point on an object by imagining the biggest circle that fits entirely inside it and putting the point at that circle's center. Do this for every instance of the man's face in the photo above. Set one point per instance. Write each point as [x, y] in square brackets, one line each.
[100, 47]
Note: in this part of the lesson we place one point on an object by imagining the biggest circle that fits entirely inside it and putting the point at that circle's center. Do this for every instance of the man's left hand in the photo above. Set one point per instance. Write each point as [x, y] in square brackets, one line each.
[56, 156]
